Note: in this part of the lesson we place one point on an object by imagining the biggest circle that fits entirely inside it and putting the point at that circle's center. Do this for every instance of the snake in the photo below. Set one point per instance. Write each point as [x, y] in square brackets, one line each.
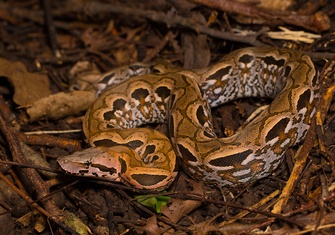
[124, 149]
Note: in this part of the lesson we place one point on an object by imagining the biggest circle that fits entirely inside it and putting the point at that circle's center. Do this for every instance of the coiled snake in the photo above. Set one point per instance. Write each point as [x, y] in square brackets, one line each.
[144, 158]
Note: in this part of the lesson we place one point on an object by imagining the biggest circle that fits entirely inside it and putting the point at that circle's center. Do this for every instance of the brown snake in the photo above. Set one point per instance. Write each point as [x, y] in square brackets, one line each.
[144, 158]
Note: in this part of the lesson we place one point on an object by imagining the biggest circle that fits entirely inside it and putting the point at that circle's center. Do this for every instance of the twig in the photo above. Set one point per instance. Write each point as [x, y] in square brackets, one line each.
[49, 140]
[199, 197]
[21, 165]
[318, 22]
[168, 37]
[96, 8]
[297, 169]
[24, 196]
[37, 182]
[325, 102]
[255, 206]
[307, 145]
[50, 28]
[176, 20]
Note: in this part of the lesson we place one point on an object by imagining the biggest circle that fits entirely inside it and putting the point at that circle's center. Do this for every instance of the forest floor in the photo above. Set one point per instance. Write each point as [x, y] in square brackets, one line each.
[51, 52]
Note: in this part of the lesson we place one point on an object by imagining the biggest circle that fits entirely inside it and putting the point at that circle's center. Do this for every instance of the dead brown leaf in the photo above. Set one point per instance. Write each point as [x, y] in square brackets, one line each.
[151, 227]
[95, 40]
[83, 75]
[61, 105]
[179, 208]
[196, 50]
[281, 5]
[28, 87]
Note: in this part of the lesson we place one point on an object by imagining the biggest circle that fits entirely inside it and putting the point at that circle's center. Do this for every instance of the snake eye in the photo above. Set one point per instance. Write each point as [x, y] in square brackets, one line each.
[87, 163]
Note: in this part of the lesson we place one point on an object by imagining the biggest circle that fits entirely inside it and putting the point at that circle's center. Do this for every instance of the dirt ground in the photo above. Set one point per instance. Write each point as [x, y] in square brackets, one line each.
[51, 52]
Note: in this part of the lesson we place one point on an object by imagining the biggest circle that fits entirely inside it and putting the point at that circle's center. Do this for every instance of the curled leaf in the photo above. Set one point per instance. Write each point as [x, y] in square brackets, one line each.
[61, 105]
[28, 86]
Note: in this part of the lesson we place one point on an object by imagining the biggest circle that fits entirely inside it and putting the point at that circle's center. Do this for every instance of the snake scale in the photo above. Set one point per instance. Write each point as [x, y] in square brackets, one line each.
[162, 93]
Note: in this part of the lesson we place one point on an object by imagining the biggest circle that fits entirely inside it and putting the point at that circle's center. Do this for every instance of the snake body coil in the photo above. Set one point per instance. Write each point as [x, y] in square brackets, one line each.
[145, 158]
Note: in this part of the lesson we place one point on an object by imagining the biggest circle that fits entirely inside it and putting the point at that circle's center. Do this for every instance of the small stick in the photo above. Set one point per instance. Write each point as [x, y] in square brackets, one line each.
[50, 28]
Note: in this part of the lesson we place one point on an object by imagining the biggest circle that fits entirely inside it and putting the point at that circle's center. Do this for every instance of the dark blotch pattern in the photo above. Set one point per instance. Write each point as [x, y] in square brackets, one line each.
[172, 100]
[287, 71]
[109, 143]
[83, 172]
[304, 99]
[105, 143]
[154, 158]
[271, 60]
[231, 159]
[107, 78]
[277, 129]
[134, 144]
[110, 170]
[148, 180]
[201, 117]
[246, 59]
[123, 165]
[140, 94]
[163, 92]
[109, 115]
[149, 149]
[220, 73]
[118, 104]
[186, 154]
[171, 125]
[209, 135]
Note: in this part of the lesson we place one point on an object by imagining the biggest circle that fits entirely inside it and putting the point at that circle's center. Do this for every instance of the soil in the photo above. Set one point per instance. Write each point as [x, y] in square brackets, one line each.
[50, 54]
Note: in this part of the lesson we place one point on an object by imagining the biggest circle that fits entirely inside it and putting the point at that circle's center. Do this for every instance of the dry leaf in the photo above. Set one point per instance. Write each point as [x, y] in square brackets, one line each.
[26, 219]
[75, 223]
[37, 160]
[95, 40]
[179, 208]
[28, 87]
[61, 105]
[151, 227]
[83, 75]
[273, 5]
[196, 50]
[276, 5]
[40, 224]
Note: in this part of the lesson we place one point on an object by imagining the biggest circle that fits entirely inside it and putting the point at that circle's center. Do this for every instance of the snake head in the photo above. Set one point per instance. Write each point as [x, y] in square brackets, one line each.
[92, 162]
